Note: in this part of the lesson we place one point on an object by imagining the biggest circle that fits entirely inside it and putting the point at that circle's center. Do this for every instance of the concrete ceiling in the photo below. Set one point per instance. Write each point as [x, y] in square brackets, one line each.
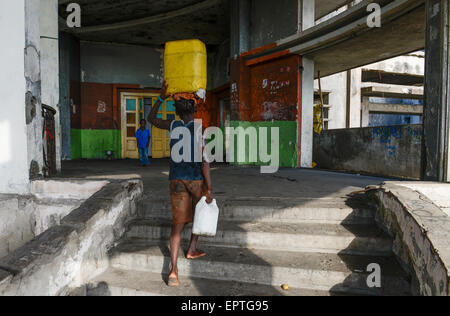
[170, 20]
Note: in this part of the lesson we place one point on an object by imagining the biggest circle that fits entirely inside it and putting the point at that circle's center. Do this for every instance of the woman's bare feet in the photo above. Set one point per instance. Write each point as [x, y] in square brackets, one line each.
[173, 279]
[192, 255]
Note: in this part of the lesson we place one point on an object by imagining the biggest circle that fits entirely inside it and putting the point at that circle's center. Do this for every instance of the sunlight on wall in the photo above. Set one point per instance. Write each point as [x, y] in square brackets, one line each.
[5, 142]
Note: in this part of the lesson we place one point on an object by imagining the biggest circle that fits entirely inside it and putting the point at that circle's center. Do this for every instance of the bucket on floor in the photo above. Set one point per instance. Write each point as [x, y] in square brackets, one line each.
[206, 218]
[185, 66]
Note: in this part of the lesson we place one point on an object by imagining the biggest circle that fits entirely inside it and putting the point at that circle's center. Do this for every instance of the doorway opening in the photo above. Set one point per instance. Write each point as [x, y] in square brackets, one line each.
[134, 108]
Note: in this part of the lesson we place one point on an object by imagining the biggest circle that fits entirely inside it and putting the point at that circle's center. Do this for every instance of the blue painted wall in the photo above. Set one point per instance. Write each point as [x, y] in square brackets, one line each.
[394, 119]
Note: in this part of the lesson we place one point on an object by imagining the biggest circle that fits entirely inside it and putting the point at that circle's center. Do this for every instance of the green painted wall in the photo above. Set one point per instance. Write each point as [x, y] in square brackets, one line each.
[75, 143]
[288, 141]
[92, 144]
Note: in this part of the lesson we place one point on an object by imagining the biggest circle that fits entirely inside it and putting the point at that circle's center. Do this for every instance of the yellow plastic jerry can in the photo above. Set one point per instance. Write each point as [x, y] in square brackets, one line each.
[185, 66]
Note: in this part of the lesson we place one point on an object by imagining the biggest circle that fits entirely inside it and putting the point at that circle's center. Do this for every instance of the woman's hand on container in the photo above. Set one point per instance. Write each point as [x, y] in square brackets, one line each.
[209, 196]
[164, 88]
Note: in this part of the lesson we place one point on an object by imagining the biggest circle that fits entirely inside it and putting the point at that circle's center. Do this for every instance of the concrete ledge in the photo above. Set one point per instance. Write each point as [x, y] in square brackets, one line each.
[63, 188]
[23, 217]
[421, 232]
[101, 202]
[5, 278]
[67, 256]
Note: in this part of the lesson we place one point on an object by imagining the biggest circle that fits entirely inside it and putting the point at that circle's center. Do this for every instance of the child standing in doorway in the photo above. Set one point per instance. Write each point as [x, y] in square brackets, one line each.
[143, 140]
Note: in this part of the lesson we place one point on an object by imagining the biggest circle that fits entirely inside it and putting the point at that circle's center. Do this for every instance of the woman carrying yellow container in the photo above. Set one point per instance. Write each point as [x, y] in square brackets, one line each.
[185, 74]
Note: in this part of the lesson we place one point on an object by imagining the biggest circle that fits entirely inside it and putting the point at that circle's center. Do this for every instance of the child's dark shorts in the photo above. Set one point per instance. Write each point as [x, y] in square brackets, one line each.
[184, 195]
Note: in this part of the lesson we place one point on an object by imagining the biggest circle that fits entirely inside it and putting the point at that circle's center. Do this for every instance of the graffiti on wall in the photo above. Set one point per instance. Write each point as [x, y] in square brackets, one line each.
[101, 107]
[415, 135]
[385, 135]
[389, 135]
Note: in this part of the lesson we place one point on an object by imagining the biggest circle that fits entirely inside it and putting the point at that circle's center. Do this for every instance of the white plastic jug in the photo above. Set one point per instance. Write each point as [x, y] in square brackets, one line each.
[206, 218]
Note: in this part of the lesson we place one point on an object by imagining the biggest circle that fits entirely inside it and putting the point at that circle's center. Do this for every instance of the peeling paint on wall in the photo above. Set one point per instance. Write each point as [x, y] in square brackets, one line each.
[33, 87]
[30, 107]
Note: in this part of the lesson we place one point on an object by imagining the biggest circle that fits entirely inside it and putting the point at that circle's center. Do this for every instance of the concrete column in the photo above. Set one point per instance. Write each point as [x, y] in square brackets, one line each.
[64, 95]
[20, 88]
[13, 132]
[355, 98]
[69, 75]
[435, 153]
[33, 107]
[240, 26]
[365, 112]
[307, 119]
[307, 13]
[50, 65]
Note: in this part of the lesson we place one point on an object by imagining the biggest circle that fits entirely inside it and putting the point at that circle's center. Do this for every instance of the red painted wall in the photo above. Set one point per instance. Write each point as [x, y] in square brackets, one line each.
[97, 106]
[209, 112]
[274, 90]
[267, 88]
[266, 91]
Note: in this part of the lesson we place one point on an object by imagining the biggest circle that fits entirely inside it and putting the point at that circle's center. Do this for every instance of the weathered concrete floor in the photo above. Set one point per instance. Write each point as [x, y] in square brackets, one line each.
[296, 227]
[236, 182]
[151, 284]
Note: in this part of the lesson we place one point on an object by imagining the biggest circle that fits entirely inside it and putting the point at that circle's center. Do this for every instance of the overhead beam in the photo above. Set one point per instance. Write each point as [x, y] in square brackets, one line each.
[415, 93]
[395, 109]
[379, 76]
[346, 41]
[144, 21]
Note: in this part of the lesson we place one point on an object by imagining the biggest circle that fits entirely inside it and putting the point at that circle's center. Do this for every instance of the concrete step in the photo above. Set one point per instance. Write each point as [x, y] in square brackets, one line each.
[324, 238]
[116, 282]
[314, 271]
[331, 211]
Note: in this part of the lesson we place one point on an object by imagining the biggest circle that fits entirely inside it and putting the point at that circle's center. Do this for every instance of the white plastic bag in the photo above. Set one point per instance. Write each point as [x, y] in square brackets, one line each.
[206, 218]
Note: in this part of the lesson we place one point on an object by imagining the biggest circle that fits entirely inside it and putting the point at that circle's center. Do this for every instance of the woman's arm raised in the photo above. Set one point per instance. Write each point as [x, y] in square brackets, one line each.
[152, 117]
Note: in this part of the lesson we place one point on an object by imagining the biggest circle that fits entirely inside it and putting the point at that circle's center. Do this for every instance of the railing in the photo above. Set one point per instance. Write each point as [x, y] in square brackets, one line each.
[49, 142]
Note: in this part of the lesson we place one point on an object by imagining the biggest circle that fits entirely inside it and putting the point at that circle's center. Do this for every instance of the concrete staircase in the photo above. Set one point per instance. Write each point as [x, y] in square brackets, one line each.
[317, 247]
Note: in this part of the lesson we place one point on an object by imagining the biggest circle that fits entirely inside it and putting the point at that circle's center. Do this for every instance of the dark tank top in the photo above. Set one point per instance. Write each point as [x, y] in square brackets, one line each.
[190, 170]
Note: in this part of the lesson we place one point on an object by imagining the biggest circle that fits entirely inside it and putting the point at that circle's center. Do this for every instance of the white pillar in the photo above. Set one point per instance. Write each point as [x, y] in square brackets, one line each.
[447, 161]
[13, 129]
[307, 13]
[21, 156]
[355, 98]
[365, 112]
[307, 113]
[33, 109]
[50, 65]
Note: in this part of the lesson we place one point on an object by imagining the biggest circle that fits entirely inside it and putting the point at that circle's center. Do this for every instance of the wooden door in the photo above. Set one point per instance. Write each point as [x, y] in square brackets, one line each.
[161, 138]
[134, 113]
